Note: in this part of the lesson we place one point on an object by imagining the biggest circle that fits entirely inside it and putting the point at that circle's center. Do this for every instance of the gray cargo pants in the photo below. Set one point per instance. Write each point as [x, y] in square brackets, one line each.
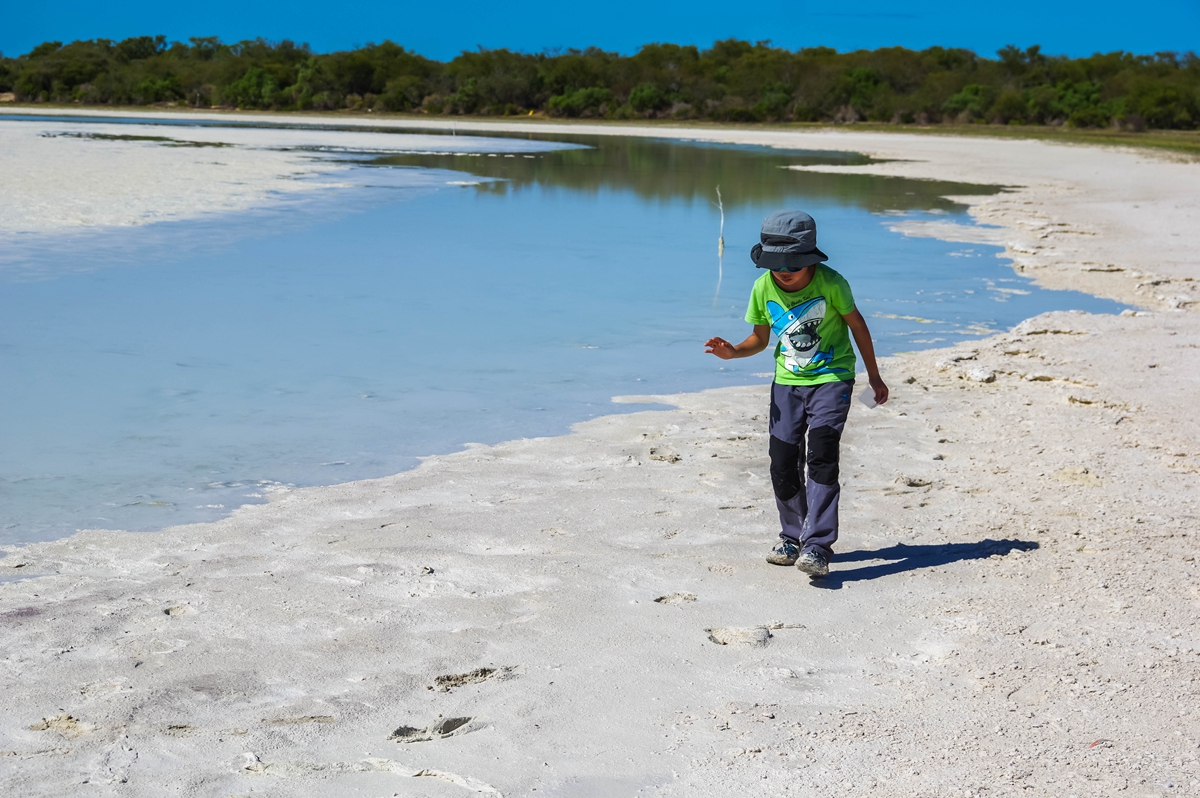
[808, 509]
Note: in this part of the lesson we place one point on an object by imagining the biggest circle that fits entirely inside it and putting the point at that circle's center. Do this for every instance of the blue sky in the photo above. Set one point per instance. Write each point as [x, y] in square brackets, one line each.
[443, 30]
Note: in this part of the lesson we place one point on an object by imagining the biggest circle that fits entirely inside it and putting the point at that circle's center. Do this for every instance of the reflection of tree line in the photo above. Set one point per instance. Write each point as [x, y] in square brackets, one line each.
[661, 170]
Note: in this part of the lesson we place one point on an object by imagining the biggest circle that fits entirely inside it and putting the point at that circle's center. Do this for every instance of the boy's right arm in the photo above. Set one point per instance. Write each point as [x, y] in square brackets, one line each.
[759, 339]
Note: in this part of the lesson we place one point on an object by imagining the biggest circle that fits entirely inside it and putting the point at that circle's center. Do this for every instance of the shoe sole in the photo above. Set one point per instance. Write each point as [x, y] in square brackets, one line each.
[780, 561]
[813, 570]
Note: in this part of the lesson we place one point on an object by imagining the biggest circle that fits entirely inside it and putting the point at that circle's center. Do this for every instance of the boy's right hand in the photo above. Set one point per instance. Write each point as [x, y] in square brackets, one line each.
[720, 347]
[755, 343]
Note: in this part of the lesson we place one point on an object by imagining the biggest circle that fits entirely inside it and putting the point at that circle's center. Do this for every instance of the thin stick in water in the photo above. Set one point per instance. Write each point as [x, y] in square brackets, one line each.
[720, 249]
[721, 235]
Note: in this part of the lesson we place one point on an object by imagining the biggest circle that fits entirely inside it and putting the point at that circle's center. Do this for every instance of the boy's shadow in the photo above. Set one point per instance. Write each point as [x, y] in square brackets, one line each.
[910, 558]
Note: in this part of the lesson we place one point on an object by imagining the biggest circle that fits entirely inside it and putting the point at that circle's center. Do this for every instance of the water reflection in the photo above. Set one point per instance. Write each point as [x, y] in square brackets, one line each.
[664, 170]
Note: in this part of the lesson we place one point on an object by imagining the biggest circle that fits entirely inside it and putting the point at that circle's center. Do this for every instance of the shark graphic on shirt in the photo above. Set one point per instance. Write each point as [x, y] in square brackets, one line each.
[799, 341]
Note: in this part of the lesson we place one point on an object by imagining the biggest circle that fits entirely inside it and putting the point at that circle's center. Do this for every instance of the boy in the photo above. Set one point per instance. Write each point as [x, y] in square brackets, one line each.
[810, 308]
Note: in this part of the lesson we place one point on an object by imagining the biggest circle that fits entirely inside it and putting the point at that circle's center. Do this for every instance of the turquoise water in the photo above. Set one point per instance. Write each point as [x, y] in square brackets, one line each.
[167, 374]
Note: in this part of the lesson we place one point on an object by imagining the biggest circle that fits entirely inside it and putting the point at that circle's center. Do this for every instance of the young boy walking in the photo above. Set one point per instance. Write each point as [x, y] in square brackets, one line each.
[811, 310]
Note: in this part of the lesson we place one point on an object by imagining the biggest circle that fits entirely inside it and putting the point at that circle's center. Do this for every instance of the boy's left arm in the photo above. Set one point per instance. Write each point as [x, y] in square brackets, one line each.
[862, 337]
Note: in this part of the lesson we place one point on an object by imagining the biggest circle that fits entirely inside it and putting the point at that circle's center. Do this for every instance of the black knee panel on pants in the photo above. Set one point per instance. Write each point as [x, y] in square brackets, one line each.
[785, 468]
[824, 444]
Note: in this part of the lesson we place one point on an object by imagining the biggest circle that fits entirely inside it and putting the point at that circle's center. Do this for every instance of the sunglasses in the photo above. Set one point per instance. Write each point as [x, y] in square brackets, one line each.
[792, 269]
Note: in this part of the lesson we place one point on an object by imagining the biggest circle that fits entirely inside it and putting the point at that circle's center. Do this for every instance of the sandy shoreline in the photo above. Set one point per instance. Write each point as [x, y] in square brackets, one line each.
[1013, 608]
[64, 177]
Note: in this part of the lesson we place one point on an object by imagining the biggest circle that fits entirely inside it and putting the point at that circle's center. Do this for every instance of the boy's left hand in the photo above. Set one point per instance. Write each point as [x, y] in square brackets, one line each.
[880, 389]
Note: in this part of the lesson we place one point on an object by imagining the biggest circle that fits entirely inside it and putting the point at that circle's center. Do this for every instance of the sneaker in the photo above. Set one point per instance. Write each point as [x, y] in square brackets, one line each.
[812, 563]
[785, 552]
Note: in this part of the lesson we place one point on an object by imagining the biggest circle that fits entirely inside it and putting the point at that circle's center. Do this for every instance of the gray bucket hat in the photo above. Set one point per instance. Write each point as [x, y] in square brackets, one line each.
[789, 242]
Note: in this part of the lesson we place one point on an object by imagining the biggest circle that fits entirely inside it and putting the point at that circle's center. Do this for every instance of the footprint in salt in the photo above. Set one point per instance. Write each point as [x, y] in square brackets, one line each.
[299, 720]
[434, 731]
[664, 454]
[66, 725]
[452, 680]
[448, 682]
[675, 598]
[753, 636]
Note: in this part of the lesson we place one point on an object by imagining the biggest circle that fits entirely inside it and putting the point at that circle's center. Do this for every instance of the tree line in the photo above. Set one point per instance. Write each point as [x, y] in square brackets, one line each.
[732, 81]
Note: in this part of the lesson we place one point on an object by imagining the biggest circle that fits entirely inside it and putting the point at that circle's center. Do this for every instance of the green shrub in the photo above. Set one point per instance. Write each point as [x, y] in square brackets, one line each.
[467, 100]
[647, 97]
[683, 111]
[152, 90]
[402, 94]
[803, 112]
[1089, 117]
[139, 48]
[327, 101]
[774, 103]
[1009, 107]
[1041, 104]
[44, 49]
[1164, 107]
[575, 103]
[974, 99]
[251, 90]
[738, 115]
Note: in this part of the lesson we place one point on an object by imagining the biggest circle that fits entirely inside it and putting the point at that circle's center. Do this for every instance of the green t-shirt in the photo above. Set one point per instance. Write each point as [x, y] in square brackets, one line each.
[814, 341]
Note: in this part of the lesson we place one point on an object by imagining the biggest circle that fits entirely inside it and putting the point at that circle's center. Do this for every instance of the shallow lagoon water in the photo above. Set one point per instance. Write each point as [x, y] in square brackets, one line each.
[181, 369]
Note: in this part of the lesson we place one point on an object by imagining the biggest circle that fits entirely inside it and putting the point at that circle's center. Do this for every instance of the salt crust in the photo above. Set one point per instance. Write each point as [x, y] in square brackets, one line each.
[63, 176]
[1012, 611]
